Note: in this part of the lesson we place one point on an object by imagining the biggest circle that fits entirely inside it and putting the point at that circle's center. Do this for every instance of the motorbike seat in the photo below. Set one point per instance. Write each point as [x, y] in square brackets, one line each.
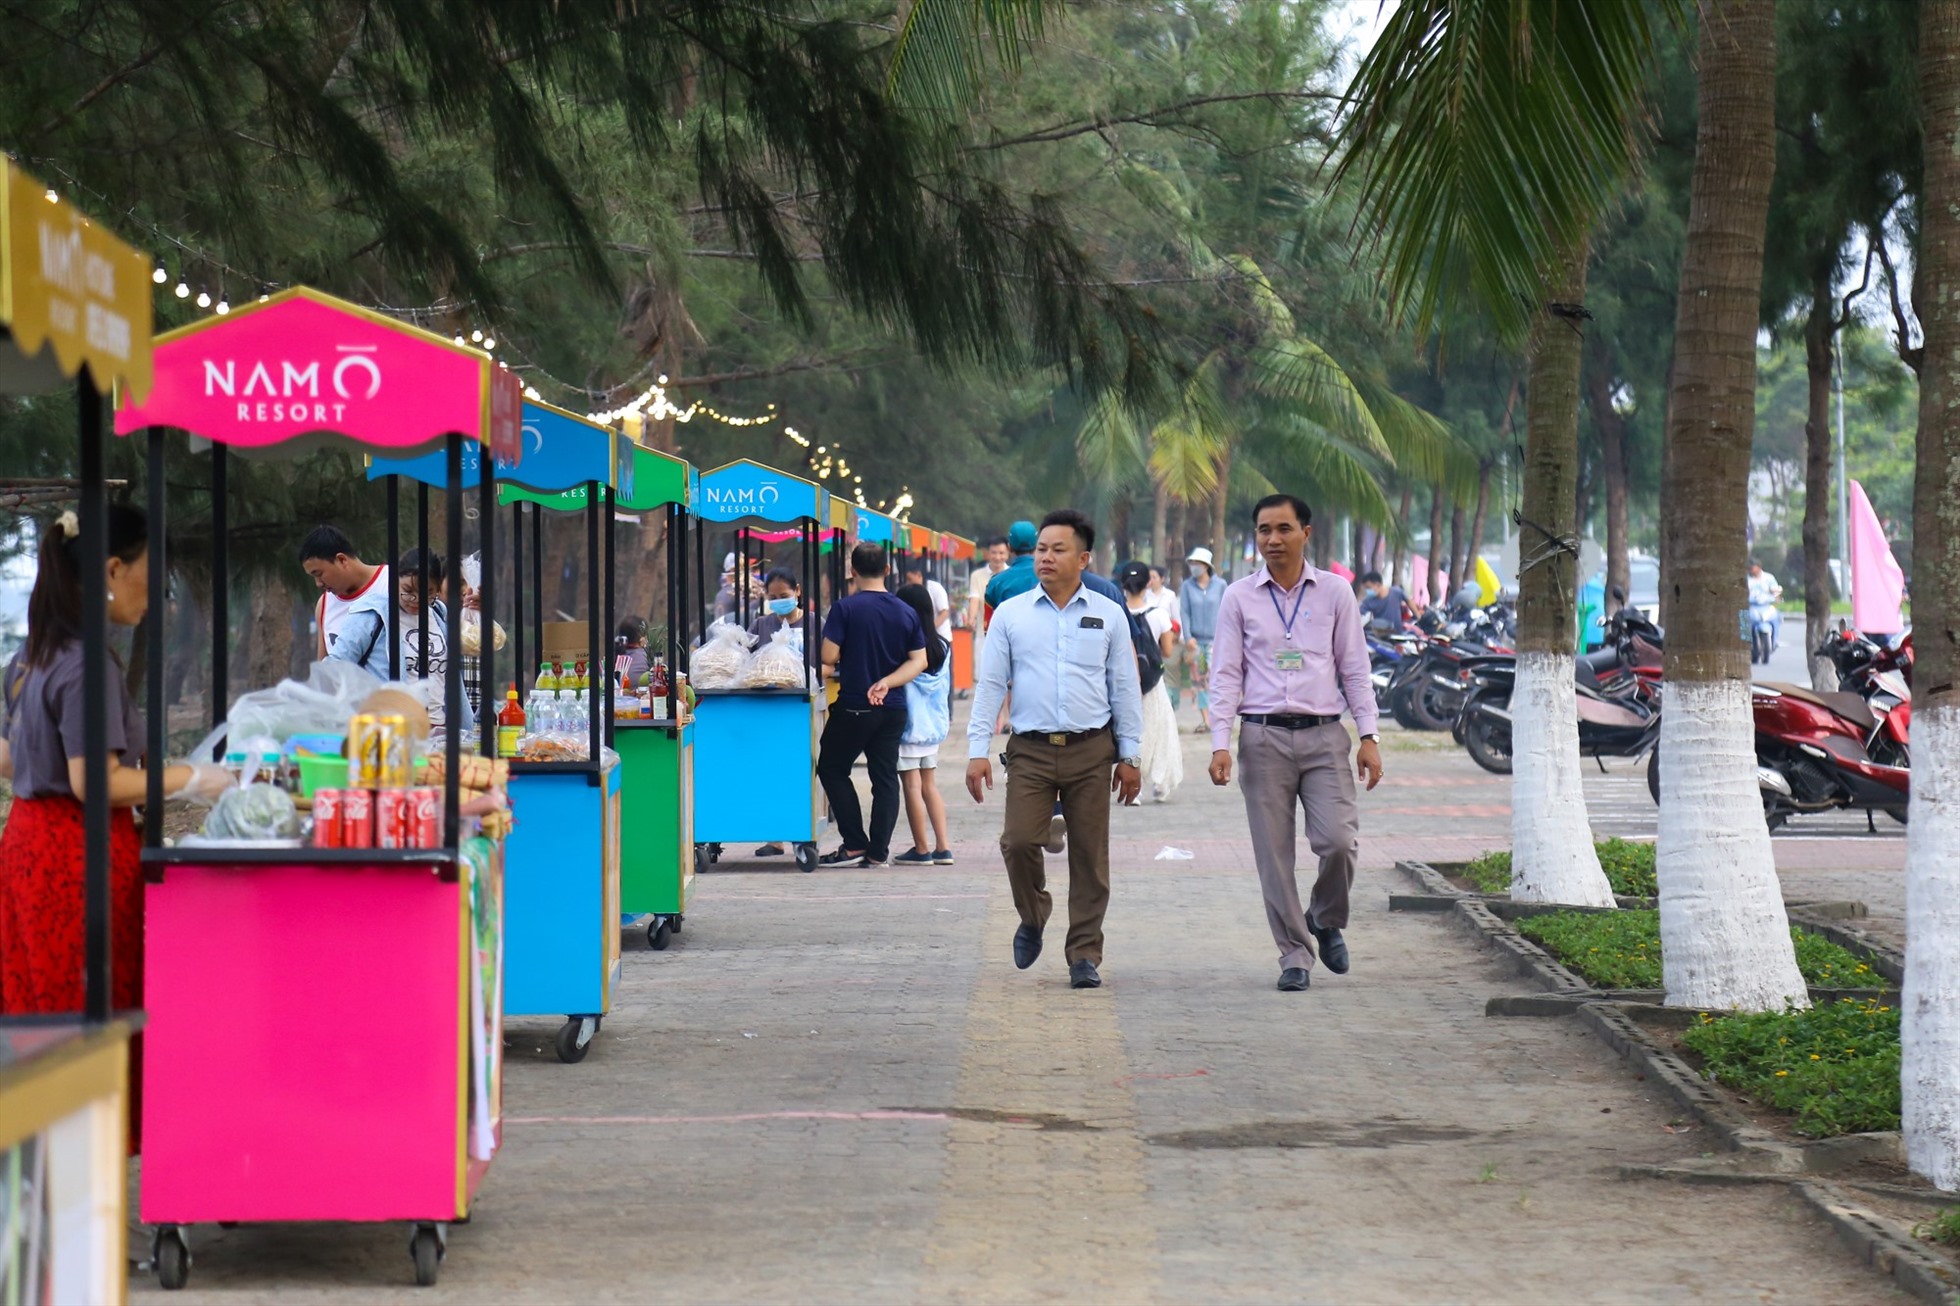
[1843, 703]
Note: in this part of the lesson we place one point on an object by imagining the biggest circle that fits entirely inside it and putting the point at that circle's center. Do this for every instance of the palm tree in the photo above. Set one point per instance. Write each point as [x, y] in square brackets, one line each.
[1930, 1023]
[1268, 406]
[1488, 136]
[1725, 938]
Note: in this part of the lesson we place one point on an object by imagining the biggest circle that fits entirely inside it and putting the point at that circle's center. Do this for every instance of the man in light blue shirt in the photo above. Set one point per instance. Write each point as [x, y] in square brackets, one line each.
[1075, 737]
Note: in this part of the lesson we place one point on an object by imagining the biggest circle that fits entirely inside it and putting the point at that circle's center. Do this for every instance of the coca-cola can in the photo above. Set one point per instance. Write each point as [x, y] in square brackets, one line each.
[357, 818]
[327, 807]
[391, 822]
[425, 818]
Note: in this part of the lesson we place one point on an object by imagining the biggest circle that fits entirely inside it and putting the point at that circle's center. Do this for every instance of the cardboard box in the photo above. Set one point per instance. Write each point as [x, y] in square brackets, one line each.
[567, 641]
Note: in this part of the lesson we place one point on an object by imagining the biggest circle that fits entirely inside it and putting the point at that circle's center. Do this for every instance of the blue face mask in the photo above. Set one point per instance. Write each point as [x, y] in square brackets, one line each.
[782, 607]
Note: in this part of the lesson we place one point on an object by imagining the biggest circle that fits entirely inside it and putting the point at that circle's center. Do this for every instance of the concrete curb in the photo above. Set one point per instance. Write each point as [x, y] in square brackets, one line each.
[1882, 1245]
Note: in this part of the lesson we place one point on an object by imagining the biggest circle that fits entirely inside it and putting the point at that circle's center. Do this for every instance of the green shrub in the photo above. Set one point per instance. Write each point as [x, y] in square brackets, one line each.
[1942, 1228]
[1835, 1067]
[1629, 868]
[1622, 950]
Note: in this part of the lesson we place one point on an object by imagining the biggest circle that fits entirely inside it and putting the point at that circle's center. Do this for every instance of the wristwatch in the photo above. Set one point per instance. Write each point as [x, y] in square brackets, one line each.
[1136, 762]
[1371, 737]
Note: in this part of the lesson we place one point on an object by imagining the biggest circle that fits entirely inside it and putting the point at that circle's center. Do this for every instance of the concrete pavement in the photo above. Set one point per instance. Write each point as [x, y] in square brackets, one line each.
[836, 1087]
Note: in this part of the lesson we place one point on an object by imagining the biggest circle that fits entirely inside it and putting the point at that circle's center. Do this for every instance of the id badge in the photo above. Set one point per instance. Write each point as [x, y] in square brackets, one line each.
[1289, 659]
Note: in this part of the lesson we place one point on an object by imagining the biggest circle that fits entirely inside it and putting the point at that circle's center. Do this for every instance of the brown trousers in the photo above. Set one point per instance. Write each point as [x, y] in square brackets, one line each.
[1038, 775]
[1280, 770]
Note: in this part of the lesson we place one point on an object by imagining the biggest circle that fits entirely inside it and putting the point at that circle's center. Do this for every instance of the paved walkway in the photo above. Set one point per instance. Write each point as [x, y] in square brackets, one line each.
[836, 1087]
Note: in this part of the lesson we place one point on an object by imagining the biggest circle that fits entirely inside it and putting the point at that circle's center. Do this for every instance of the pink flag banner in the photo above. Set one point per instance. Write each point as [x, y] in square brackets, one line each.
[1877, 585]
[1342, 570]
[1419, 581]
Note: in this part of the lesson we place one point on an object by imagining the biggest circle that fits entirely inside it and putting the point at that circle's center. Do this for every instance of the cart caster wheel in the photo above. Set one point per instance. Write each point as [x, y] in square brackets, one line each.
[806, 857]
[700, 860]
[426, 1249]
[677, 923]
[575, 1038]
[659, 935]
[172, 1258]
[714, 853]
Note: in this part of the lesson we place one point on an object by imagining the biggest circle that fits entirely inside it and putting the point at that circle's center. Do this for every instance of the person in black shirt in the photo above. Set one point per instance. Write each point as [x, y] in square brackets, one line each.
[875, 643]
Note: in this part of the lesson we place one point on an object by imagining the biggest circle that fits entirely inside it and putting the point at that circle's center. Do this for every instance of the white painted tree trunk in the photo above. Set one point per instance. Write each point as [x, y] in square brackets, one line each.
[1725, 938]
[1929, 1077]
[1552, 856]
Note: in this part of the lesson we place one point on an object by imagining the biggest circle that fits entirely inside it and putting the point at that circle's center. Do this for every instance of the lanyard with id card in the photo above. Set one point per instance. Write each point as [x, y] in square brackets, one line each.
[1289, 658]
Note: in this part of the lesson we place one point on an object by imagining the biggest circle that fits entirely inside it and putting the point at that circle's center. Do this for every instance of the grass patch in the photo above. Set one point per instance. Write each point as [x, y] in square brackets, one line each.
[1629, 868]
[1622, 950]
[1834, 1067]
[1943, 1228]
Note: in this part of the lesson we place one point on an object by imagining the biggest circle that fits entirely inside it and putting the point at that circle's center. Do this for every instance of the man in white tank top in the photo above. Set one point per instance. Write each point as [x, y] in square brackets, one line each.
[347, 585]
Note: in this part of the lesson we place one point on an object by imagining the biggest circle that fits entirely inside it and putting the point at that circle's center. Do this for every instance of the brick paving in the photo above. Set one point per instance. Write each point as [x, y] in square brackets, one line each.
[836, 1087]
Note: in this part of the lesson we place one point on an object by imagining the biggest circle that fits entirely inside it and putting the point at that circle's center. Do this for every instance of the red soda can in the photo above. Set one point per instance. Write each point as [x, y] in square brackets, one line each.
[327, 807]
[357, 818]
[425, 818]
[391, 828]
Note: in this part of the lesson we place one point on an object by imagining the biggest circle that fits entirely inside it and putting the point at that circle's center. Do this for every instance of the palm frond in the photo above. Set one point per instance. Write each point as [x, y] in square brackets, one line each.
[1420, 443]
[1108, 444]
[1319, 466]
[1184, 456]
[1305, 378]
[939, 59]
[1488, 135]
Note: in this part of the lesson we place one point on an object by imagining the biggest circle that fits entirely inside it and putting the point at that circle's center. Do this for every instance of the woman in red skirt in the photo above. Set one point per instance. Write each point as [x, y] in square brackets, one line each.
[41, 752]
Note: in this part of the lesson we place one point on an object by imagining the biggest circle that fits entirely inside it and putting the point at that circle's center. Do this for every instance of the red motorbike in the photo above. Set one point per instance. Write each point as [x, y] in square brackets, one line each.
[1848, 749]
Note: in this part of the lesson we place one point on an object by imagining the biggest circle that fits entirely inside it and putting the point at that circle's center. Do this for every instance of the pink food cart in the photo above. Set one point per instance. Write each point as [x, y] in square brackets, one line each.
[324, 1037]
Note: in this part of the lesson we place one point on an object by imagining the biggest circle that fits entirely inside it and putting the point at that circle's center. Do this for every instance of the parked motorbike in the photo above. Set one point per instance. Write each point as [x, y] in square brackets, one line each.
[1616, 688]
[1848, 749]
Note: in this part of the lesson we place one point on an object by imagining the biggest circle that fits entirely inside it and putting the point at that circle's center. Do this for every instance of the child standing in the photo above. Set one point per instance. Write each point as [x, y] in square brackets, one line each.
[928, 718]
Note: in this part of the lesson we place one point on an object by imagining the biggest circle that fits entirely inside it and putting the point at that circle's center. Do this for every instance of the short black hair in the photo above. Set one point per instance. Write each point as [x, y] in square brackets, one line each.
[412, 564]
[1084, 529]
[913, 562]
[992, 540]
[325, 543]
[1372, 578]
[785, 575]
[868, 558]
[1301, 512]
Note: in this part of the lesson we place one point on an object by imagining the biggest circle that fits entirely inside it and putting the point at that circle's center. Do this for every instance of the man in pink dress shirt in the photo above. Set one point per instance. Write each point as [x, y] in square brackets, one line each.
[1288, 658]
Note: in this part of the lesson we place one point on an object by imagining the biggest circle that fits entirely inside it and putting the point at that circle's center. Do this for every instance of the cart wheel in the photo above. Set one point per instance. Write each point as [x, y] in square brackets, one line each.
[806, 857]
[172, 1257]
[714, 853]
[426, 1249]
[677, 923]
[700, 860]
[659, 935]
[575, 1038]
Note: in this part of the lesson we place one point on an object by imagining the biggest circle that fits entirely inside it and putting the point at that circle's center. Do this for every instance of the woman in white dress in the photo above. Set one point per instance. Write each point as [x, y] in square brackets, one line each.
[1163, 754]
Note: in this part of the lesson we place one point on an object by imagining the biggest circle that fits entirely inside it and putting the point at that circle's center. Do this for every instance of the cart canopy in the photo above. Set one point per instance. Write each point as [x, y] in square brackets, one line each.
[744, 490]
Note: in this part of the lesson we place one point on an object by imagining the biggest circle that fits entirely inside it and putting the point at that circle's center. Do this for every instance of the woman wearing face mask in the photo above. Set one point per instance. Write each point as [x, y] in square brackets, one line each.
[782, 597]
[41, 853]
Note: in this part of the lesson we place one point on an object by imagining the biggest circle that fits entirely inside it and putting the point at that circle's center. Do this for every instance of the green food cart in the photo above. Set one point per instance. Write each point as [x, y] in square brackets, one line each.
[657, 855]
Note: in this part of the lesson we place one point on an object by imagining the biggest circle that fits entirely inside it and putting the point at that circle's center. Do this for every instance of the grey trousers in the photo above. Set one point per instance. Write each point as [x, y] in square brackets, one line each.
[1279, 769]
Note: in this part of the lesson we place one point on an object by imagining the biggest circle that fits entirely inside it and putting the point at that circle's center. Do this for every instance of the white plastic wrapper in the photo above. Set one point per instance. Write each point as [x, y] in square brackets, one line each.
[722, 658]
[778, 664]
[472, 619]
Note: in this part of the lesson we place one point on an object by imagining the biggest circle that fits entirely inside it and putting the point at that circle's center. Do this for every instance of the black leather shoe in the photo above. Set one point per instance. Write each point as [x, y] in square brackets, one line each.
[1294, 979]
[1333, 948]
[1082, 975]
[1027, 946]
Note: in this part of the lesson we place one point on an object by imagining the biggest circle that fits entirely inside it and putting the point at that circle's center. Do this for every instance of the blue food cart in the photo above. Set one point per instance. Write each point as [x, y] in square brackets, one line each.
[755, 750]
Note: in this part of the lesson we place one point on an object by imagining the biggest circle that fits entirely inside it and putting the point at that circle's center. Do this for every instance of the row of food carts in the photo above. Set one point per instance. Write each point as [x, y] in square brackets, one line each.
[339, 1057]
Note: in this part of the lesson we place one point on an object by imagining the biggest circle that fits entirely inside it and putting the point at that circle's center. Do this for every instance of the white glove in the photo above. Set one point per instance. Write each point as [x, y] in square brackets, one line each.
[206, 785]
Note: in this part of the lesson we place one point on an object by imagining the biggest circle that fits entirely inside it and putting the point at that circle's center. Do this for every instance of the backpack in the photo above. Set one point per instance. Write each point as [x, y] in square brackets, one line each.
[1150, 656]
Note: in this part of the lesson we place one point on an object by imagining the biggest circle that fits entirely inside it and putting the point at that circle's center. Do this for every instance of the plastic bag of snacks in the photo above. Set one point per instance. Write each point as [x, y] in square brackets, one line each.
[778, 664]
[258, 811]
[719, 662]
[472, 619]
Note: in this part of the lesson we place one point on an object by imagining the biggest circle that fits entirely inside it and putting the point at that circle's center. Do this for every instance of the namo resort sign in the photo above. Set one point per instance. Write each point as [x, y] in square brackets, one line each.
[71, 296]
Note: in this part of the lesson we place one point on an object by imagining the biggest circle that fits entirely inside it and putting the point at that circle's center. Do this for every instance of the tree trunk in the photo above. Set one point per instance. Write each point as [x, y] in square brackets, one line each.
[1477, 520]
[1396, 574]
[1930, 1012]
[1817, 336]
[1552, 856]
[1458, 551]
[1218, 503]
[1437, 560]
[1160, 524]
[1725, 938]
[1613, 461]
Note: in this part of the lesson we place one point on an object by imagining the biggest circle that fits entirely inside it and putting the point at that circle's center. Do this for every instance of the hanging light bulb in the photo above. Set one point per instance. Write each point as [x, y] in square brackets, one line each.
[203, 298]
[224, 306]
[159, 276]
[459, 340]
[52, 197]
[489, 343]
[476, 337]
[183, 290]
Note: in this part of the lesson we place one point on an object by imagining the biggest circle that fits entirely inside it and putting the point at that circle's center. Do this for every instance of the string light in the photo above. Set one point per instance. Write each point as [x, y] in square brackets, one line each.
[183, 290]
[159, 276]
[203, 298]
[52, 197]
[224, 306]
